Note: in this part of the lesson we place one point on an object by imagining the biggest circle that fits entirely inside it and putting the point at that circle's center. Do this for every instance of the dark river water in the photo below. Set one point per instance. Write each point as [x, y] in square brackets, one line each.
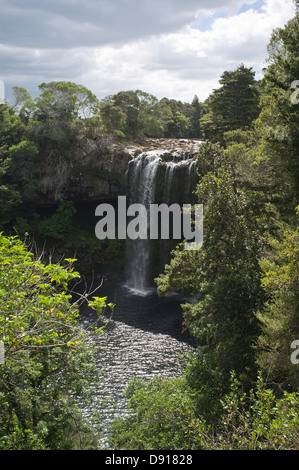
[143, 339]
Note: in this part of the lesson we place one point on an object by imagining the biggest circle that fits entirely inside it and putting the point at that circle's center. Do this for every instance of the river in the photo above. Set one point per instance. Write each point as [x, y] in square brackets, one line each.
[143, 339]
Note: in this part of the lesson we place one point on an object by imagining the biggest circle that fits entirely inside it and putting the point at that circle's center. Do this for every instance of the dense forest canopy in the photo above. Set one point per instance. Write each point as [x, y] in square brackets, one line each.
[42, 138]
[240, 390]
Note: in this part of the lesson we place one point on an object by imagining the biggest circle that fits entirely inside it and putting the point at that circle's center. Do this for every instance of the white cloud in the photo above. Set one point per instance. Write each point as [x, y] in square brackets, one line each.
[179, 65]
[75, 23]
[171, 57]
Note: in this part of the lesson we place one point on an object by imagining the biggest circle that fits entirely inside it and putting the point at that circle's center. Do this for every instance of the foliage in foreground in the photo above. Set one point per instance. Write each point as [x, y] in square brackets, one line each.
[279, 317]
[244, 313]
[246, 297]
[164, 417]
[47, 363]
[162, 413]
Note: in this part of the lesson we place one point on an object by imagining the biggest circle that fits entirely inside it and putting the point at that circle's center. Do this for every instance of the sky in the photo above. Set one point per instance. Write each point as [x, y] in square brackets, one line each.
[169, 48]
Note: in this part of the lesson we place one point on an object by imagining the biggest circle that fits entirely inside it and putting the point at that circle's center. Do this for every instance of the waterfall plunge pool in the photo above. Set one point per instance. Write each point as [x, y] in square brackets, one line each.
[143, 339]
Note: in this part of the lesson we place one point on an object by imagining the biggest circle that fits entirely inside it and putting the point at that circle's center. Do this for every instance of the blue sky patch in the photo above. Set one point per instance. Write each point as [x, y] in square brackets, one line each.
[255, 6]
[207, 22]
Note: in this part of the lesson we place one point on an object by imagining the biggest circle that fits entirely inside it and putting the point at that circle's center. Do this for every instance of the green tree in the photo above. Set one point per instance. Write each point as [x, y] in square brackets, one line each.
[163, 417]
[113, 118]
[65, 100]
[60, 109]
[120, 113]
[60, 225]
[234, 105]
[257, 420]
[177, 123]
[47, 361]
[64, 111]
[226, 276]
[11, 131]
[137, 114]
[21, 98]
[150, 122]
[278, 120]
[23, 161]
[129, 103]
[197, 114]
[279, 318]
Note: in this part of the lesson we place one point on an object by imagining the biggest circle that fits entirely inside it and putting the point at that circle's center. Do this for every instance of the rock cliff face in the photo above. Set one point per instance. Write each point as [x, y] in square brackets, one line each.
[94, 172]
[161, 171]
[101, 178]
[169, 145]
[97, 171]
[176, 171]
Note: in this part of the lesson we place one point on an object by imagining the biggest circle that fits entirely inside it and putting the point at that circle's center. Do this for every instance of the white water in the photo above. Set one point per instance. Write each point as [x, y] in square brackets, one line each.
[144, 338]
[169, 172]
[141, 174]
[143, 184]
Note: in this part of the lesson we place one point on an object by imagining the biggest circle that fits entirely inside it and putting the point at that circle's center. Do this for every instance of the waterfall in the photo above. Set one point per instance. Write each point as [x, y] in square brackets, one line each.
[180, 160]
[141, 177]
[179, 179]
[192, 177]
[169, 172]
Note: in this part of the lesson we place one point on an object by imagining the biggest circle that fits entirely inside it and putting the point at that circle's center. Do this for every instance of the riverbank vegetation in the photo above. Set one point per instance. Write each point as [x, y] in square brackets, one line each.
[240, 389]
[45, 362]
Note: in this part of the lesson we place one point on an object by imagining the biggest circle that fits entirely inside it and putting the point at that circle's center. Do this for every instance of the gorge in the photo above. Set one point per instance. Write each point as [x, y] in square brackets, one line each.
[158, 171]
[200, 342]
[157, 176]
[144, 338]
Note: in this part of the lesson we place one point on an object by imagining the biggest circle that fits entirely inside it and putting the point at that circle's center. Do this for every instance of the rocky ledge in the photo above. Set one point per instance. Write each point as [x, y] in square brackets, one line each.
[169, 145]
[97, 169]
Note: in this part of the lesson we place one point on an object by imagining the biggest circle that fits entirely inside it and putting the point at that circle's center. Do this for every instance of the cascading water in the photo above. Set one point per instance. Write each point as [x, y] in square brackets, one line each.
[144, 339]
[141, 176]
[192, 177]
[141, 179]
[181, 169]
[180, 161]
[169, 171]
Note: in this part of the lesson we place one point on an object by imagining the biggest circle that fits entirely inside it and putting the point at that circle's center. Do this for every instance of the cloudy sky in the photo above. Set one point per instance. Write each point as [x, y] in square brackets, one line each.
[170, 48]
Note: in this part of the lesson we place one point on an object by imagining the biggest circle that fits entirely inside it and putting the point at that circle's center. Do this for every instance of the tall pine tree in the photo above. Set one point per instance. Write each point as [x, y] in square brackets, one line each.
[232, 106]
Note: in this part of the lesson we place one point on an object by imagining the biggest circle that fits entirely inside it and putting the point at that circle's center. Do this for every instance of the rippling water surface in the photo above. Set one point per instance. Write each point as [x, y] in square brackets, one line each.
[144, 339]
